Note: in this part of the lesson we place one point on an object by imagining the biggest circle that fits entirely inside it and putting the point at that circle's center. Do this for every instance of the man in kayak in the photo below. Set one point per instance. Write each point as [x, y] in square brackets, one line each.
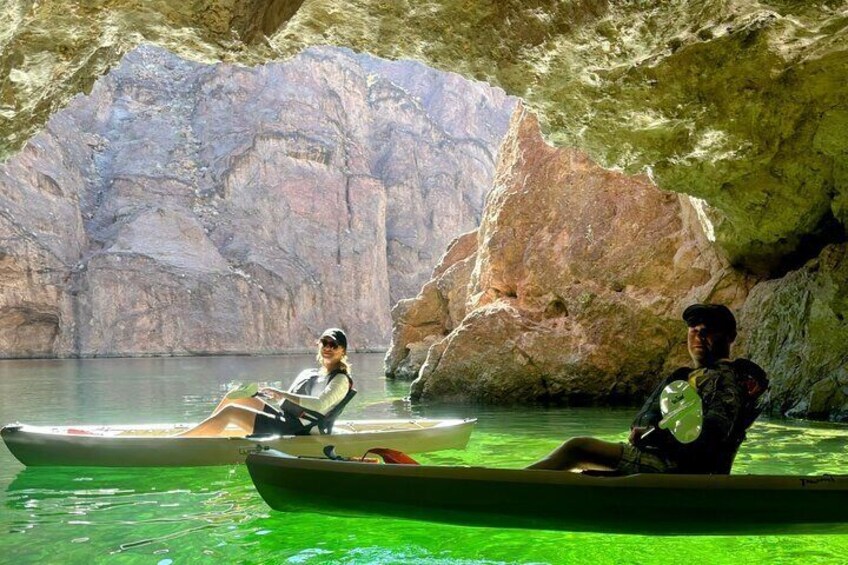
[728, 391]
[316, 395]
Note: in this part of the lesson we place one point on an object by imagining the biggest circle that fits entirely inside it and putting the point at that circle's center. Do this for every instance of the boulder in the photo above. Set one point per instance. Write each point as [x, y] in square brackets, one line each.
[796, 328]
[578, 282]
[417, 323]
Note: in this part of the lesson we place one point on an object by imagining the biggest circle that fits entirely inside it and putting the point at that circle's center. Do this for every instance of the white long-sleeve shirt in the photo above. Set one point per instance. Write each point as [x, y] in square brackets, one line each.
[329, 394]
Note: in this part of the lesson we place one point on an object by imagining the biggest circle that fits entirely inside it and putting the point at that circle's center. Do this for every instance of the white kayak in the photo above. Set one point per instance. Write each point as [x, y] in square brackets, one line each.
[155, 445]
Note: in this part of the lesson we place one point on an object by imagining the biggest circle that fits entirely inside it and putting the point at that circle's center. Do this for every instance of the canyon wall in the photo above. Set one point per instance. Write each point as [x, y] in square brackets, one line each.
[740, 107]
[188, 208]
[742, 104]
[571, 290]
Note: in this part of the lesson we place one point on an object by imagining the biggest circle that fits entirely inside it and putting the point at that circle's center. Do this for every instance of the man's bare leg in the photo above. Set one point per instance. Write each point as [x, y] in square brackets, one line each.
[214, 425]
[582, 453]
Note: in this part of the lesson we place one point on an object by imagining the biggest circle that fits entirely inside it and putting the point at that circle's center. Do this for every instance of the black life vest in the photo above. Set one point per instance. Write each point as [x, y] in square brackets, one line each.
[753, 382]
[694, 458]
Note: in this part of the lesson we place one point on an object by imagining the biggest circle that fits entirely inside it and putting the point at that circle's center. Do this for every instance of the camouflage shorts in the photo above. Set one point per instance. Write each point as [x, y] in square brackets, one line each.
[635, 460]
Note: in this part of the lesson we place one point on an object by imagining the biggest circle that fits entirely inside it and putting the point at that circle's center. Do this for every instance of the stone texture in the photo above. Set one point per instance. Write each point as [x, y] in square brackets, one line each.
[41, 240]
[796, 328]
[189, 208]
[739, 103]
[418, 323]
[575, 292]
[742, 104]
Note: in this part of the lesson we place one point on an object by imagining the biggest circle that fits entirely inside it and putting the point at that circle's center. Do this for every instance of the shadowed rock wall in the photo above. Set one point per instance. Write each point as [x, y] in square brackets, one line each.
[796, 326]
[187, 208]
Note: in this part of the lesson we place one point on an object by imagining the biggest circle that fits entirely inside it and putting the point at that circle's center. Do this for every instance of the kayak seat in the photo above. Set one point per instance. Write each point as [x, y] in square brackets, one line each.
[756, 385]
[322, 422]
[391, 456]
[326, 427]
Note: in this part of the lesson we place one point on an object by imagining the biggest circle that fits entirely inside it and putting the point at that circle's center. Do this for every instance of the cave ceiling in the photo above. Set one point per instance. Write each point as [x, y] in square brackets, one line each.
[742, 105]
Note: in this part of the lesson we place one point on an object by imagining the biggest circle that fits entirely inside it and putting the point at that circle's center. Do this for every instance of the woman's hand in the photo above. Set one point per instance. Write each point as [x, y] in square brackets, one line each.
[271, 393]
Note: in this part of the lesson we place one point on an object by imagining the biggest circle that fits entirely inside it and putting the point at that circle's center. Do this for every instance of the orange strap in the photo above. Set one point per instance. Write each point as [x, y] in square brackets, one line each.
[392, 456]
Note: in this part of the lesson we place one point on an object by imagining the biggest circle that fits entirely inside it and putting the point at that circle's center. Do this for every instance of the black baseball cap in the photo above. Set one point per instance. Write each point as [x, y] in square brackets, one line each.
[715, 316]
[337, 335]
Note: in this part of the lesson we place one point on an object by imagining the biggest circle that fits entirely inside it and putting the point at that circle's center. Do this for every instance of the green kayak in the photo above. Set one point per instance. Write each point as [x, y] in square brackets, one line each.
[664, 504]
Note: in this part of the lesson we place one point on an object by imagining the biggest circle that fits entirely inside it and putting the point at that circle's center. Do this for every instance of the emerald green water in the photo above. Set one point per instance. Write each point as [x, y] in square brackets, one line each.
[213, 515]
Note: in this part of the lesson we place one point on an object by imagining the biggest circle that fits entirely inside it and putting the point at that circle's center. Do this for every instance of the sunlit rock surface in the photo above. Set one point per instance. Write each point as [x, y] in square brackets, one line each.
[743, 104]
[418, 323]
[576, 288]
[189, 208]
[796, 328]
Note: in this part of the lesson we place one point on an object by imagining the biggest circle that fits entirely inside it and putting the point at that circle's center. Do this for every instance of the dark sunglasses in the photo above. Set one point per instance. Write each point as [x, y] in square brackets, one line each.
[328, 343]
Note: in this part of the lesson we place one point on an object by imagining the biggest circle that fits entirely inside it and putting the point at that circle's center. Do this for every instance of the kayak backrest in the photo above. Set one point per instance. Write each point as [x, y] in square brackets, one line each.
[324, 422]
[326, 425]
[755, 384]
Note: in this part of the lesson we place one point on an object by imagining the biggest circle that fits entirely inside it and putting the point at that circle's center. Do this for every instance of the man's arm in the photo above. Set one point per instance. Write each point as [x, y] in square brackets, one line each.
[721, 407]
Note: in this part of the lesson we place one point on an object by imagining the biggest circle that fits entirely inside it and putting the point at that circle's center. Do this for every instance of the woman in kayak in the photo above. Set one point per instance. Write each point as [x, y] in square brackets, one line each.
[314, 394]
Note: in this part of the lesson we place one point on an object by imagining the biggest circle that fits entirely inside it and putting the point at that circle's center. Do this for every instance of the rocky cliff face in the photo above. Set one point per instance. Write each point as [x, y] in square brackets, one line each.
[186, 208]
[739, 103]
[584, 306]
[796, 327]
[570, 291]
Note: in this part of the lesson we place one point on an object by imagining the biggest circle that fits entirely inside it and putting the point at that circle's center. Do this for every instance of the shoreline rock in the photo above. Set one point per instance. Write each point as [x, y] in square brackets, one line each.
[796, 328]
[575, 292]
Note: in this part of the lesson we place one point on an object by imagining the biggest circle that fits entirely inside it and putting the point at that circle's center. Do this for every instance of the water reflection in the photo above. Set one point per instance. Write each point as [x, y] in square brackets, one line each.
[133, 507]
[148, 390]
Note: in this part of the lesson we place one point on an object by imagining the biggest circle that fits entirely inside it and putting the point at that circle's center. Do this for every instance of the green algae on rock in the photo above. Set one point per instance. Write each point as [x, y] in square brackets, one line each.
[720, 100]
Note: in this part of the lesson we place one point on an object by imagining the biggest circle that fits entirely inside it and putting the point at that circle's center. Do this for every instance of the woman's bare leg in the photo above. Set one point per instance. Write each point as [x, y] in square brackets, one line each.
[582, 453]
[251, 402]
[214, 425]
